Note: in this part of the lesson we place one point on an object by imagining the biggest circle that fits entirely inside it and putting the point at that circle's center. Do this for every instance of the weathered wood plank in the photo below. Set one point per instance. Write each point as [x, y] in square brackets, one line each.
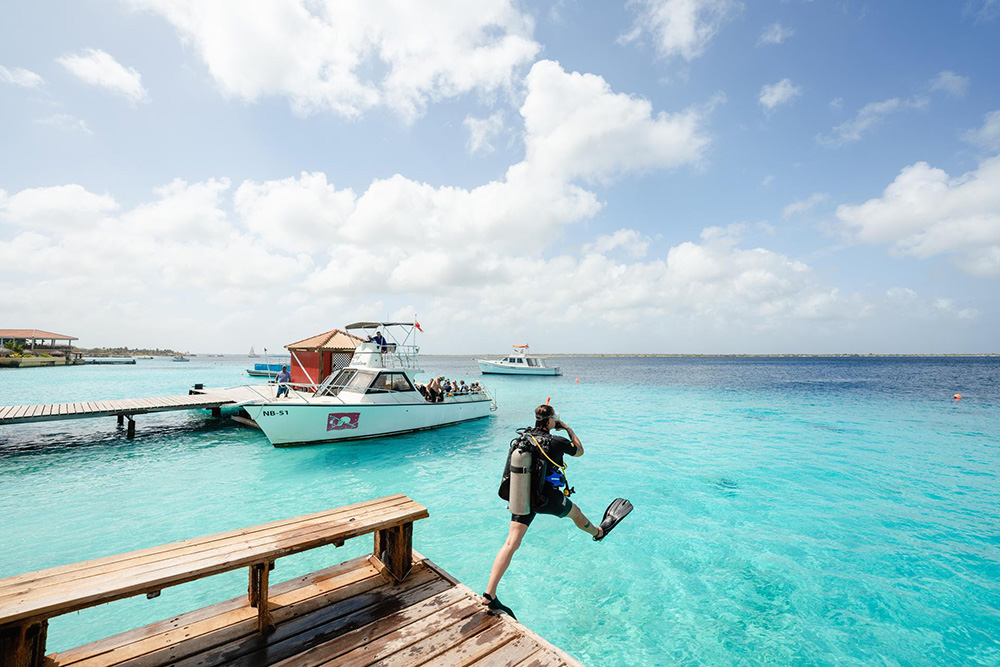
[434, 645]
[477, 648]
[521, 651]
[408, 632]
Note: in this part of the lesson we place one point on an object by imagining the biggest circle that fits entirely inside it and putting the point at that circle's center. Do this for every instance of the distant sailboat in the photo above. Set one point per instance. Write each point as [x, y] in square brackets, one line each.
[252, 353]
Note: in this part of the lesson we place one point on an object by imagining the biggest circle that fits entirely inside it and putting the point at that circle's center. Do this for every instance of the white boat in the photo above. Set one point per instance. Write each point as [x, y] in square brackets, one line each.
[518, 363]
[181, 358]
[374, 395]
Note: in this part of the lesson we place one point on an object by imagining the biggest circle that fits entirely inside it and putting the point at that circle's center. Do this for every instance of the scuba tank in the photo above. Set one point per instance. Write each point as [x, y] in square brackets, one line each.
[520, 481]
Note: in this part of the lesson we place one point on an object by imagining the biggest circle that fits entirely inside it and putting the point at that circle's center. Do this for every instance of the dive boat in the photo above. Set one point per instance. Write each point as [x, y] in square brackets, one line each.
[374, 395]
[181, 358]
[518, 363]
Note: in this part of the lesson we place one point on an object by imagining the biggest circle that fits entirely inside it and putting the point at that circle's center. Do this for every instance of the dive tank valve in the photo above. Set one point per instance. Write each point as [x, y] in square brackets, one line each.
[520, 482]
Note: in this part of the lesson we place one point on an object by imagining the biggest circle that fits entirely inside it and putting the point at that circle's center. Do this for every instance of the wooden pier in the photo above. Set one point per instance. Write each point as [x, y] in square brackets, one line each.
[127, 408]
[393, 607]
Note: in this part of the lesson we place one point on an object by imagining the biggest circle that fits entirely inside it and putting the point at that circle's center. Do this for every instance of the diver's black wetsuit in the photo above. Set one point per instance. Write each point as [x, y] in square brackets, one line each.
[556, 502]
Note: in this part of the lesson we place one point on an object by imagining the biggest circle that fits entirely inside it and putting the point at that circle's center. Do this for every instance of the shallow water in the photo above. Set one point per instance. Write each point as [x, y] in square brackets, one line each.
[789, 511]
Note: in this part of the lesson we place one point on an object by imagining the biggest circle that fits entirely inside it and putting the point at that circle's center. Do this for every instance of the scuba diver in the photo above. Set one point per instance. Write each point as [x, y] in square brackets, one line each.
[534, 482]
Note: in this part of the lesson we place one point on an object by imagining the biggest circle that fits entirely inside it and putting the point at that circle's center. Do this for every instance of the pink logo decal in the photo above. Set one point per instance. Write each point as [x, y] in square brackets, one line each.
[338, 421]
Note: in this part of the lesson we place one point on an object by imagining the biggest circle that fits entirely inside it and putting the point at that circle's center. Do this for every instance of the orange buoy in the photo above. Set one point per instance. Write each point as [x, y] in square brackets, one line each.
[957, 397]
[578, 379]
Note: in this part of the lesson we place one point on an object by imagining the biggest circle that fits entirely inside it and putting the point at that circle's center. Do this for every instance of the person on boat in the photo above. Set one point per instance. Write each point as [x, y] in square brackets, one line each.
[380, 339]
[283, 377]
[556, 498]
[434, 393]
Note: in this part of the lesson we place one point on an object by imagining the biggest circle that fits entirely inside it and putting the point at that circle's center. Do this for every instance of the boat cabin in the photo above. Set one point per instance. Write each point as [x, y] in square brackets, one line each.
[361, 381]
[530, 362]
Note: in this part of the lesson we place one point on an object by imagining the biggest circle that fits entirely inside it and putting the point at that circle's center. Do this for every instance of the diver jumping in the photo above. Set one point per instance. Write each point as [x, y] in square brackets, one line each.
[534, 482]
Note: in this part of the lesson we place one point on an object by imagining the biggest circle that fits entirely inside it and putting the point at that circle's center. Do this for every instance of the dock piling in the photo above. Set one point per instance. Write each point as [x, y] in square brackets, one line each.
[130, 433]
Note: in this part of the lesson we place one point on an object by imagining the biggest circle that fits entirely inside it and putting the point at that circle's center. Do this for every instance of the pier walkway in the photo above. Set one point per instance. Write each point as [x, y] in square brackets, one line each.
[393, 607]
[126, 408]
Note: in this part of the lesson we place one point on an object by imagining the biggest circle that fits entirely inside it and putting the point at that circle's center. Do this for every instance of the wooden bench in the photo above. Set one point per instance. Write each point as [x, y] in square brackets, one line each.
[27, 601]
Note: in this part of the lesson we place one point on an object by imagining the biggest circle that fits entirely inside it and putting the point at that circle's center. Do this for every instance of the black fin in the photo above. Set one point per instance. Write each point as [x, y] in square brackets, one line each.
[617, 510]
[497, 607]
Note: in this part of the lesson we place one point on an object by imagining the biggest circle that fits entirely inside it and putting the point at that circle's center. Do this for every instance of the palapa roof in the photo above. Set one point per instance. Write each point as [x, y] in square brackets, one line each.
[335, 339]
[34, 333]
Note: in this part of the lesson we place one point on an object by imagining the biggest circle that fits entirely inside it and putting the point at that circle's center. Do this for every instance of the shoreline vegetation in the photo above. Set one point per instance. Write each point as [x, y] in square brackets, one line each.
[128, 352]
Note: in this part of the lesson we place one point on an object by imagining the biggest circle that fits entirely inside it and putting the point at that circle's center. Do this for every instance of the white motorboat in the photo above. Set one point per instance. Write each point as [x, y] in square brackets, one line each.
[518, 363]
[374, 395]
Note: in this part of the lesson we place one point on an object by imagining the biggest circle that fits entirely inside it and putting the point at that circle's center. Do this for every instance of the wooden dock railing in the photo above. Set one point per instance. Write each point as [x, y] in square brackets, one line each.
[27, 601]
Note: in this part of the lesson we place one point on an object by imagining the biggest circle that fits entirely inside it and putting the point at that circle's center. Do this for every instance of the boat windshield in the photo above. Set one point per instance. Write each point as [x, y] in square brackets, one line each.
[348, 378]
[390, 382]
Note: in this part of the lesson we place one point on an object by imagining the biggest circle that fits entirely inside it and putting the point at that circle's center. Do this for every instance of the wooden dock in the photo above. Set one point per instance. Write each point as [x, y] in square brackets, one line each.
[127, 408]
[393, 607]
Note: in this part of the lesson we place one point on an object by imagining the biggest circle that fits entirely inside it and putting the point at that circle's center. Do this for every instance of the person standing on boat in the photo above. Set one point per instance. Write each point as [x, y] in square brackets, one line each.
[380, 340]
[283, 377]
[556, 501]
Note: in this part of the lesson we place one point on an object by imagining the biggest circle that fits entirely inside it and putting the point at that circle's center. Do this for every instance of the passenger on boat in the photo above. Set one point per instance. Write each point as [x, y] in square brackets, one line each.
[434, 393]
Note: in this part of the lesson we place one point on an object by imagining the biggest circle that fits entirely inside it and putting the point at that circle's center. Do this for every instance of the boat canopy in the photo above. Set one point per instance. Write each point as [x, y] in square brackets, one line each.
[375, 325]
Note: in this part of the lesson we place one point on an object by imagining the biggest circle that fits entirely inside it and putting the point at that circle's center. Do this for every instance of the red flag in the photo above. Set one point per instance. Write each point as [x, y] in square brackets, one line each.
[417, 325]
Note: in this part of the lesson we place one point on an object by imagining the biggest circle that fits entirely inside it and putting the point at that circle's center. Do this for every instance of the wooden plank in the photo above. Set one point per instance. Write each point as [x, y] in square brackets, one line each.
[521, 651]
[6, 409]
[229, 620]
[46, 409]
[35, 580]
[301, 634]
[435, 645]
[400, 639]
[114, 584]
[479, 646]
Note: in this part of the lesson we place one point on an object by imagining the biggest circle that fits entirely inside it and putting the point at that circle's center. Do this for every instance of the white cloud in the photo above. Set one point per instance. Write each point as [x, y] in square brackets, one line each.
[304, 214]
[576, 127]
[924, 213]
[774, 34]
[97, 68]
[868, 117]
[767, 180]
[983, 10]
[20, 77]
[629, 240]
[681, 27]
[804, 205]
[950, 83]
[775, 94]
[348, 57]
[182, 211]
[59, 208]
[482, 131]
[65, 121]
[986, 137]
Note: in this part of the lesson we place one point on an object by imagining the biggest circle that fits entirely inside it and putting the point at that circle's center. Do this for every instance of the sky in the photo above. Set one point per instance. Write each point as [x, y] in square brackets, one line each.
[653, 176]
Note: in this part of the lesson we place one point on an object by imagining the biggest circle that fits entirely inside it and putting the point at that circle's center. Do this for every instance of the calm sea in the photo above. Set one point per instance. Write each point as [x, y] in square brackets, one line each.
[798, 511]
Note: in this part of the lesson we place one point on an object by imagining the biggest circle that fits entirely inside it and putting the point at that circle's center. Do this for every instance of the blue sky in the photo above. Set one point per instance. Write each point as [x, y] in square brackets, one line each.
[654, 176]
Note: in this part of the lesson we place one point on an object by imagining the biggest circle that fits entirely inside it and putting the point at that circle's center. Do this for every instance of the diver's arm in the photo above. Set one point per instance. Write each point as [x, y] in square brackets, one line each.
[572, 436]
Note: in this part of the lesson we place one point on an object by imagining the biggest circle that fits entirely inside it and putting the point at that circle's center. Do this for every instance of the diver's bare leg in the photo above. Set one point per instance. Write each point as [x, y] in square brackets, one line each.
[583, 523]
[502, 561]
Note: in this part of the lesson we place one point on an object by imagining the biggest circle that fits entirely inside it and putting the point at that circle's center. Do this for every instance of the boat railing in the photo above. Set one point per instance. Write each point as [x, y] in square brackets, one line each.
[388, 355]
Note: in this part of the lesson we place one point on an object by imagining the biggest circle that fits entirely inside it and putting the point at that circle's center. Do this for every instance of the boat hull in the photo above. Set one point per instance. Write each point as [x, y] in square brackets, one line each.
[488, 367]
[294, 423]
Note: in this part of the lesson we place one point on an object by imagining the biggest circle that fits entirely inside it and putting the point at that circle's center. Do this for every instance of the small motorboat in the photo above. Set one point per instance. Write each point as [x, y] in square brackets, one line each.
[181, 358]
[265, 370]
[374, 395]
[518, 363]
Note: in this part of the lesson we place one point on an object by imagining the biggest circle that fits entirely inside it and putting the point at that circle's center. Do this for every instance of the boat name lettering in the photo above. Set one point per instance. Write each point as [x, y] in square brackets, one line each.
[275, 413]
[338, 421]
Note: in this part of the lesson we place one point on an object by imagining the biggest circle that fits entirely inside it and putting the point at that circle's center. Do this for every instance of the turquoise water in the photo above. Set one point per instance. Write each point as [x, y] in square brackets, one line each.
[788, 511]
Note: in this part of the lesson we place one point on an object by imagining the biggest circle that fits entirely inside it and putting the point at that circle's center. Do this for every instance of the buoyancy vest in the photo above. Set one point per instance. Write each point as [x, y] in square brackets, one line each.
[543, 466]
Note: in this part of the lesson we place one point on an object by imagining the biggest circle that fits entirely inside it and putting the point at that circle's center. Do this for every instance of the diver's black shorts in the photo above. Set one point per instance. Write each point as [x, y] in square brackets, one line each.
[556, 503]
